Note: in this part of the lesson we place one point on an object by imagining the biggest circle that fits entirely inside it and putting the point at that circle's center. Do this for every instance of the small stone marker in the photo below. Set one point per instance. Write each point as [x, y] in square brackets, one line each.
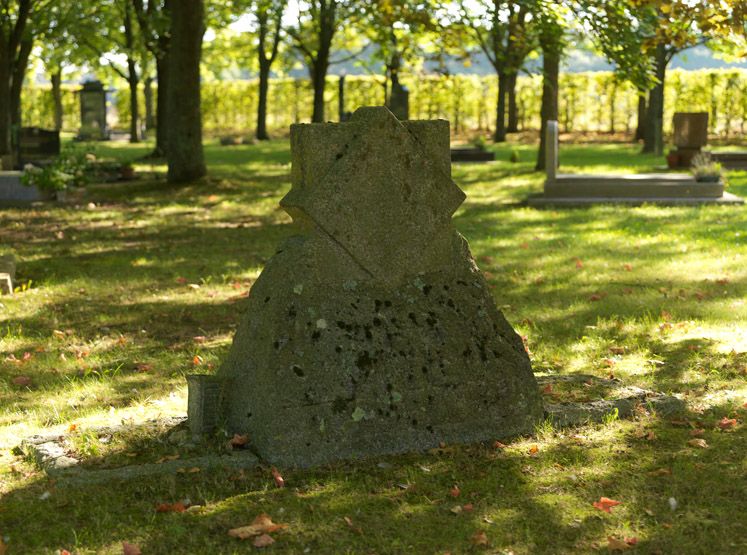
[7, 273]
[551, 150]
[373, 331]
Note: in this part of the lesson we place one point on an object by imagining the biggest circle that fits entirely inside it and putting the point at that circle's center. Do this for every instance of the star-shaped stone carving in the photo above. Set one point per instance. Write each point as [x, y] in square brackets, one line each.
[379, 188]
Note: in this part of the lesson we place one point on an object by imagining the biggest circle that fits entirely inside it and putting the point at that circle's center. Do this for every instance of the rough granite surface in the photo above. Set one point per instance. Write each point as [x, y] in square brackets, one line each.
[373, 331]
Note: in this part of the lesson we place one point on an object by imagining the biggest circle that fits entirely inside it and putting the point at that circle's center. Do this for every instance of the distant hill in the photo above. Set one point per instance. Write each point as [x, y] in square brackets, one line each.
[577, 60]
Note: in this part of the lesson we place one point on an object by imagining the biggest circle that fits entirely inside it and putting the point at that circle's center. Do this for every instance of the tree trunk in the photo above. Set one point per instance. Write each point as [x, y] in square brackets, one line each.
[641, 124]
[500, 109]
[162, 105]
[653, 140]
[264, 82]
[132, 81]
[319, 80]
[56, 79]
[16, 88]
[549, 108]
[184, 154]
[513, 108]
[5, 144]
[150, 121]
[613, 102]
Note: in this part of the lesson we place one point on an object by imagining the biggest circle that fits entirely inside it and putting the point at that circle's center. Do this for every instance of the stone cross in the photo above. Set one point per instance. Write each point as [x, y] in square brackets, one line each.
[551, 150]
[372, 331]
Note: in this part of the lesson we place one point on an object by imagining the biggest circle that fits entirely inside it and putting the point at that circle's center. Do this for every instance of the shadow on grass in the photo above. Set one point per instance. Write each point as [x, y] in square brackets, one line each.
[526, 503]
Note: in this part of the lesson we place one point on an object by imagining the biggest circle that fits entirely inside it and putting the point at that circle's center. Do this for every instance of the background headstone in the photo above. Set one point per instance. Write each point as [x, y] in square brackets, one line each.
[373, 331]
[93, 126]
[36, 144]
[399, 101]
[690, 130]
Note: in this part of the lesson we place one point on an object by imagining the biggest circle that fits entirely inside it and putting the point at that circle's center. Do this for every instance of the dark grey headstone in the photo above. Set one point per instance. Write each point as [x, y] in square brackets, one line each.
[373, 331]
[399, 101]
[36, 144]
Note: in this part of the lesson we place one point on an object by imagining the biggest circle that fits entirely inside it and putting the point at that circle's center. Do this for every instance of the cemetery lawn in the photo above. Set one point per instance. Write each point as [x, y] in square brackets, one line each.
[128, 296]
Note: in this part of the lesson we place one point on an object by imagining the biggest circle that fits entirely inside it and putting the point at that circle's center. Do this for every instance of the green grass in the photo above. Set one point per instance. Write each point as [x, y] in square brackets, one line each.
[654, 295]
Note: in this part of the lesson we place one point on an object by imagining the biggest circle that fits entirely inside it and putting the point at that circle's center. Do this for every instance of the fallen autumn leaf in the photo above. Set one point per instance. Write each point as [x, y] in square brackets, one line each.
[613, 544]
[605, 504]
[130, 549]
[263, 524]
[263, 541]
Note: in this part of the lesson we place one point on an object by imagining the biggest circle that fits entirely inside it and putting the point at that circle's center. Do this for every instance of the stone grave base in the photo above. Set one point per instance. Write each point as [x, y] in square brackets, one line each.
[12, 191]
[653, 188]
[735, 160]
[569, 400]
[597, 398]
[471, 155]
[51, 453]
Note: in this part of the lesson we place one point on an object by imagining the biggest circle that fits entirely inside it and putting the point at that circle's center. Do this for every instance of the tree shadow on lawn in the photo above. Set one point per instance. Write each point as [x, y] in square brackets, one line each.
[529, 504]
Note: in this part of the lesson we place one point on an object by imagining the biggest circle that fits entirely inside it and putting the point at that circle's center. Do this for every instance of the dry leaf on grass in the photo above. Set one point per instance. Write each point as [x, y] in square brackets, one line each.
[263, 524]
[613, 544]
[177, 507]
[279, 482]
[130, 549]
[699, 443]
[239, 440]
[727, 423]
[23, 381]
[605, 504]
[263, 540]
[350, 524]
[455, 491]
[480, 538]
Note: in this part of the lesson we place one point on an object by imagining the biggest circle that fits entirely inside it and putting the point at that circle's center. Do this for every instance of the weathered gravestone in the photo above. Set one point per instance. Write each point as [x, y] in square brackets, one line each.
[93, 125]
[373, 331]
[690, 135]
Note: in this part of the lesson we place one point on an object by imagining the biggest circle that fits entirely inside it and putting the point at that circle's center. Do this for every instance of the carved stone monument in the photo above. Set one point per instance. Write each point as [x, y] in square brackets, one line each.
[373, 331]
[93, 126]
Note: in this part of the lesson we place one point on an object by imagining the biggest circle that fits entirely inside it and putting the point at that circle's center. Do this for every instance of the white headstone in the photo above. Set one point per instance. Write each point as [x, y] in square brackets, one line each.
[551, 150]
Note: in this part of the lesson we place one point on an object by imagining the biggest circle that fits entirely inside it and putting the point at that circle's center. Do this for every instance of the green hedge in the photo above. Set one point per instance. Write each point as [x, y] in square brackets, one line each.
[592, 101]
